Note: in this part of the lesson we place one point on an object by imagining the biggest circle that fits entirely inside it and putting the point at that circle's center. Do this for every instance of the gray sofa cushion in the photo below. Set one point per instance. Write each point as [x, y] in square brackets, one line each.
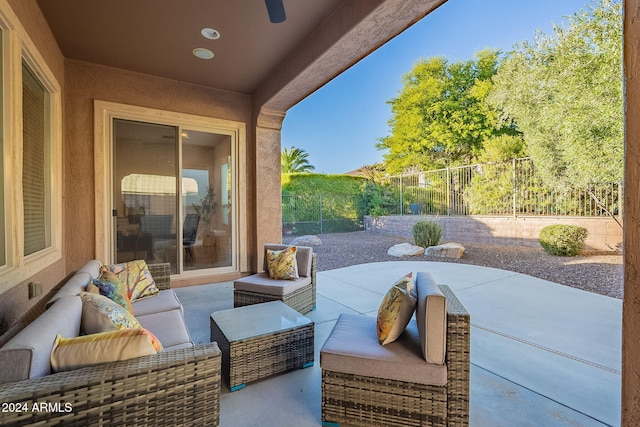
[169, 327]
[76, 284]
[29, 352]
[92, 268]
[431, 316]
[353, 348]
[262, 284]
[165, 300]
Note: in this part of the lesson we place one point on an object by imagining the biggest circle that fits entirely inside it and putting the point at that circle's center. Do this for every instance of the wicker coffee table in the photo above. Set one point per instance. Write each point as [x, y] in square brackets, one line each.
[261, 340]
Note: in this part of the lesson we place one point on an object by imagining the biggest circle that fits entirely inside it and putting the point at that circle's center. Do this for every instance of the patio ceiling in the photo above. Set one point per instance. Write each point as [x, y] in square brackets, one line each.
[158, 36]
[318, 40]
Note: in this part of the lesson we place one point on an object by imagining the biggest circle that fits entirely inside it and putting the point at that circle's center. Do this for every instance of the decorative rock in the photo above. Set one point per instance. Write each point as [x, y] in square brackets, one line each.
[447, 250]
[405, 249]
[307, 240]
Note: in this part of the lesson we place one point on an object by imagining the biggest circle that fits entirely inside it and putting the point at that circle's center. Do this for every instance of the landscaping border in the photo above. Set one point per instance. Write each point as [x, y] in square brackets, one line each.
[604, 234]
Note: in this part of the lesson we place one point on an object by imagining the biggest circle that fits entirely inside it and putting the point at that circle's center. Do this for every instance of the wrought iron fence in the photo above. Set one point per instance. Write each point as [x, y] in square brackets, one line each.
[512, 188]
[322, 213]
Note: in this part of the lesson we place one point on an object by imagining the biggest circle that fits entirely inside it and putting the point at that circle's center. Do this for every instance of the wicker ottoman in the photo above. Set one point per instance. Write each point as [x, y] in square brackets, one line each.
[261, 340]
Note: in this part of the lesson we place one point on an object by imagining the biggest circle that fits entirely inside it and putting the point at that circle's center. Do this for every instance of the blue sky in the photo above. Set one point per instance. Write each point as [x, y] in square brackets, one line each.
[339, 124]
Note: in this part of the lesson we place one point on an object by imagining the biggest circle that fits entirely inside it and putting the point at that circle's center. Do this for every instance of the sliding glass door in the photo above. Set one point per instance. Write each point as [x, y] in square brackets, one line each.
[159, 218]
[206, 204]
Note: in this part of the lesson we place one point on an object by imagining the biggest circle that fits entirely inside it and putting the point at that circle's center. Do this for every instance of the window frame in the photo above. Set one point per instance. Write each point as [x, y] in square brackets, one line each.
[18, 48]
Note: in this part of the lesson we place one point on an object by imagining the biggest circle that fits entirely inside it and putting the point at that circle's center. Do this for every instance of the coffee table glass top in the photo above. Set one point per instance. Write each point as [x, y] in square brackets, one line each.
[255, 320]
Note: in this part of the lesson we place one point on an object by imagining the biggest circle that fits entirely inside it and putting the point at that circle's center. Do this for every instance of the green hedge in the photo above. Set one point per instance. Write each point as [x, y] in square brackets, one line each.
[316, 183]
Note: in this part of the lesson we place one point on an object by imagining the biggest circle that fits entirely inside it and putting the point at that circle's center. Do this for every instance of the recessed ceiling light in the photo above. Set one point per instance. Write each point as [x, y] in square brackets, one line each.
[203, 53]
[210, 33]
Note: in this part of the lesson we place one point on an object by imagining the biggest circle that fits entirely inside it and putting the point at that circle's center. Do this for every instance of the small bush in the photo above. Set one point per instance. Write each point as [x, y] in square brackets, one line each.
[427, 233]
[563, 240]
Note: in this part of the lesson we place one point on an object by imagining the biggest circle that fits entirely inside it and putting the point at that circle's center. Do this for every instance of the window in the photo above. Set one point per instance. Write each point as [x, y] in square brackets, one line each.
[35, 163]
[30, 157]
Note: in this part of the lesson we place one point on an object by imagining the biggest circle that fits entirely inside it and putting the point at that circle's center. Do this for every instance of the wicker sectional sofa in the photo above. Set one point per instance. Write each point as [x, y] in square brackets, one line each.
[178, 386]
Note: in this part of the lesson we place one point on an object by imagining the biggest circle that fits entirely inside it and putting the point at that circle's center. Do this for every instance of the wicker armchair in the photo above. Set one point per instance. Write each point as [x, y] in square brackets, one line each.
[355, 400]
[258, 288]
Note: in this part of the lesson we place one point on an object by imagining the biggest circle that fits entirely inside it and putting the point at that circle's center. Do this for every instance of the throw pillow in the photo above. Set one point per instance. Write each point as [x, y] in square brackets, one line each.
[100, 314]
[136, 276]
[282, 264]
[111, 287]
[104, 347]
[396, 310]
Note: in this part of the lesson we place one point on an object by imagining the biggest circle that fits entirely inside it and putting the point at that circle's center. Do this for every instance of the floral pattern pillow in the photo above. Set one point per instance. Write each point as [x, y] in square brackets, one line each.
[396, 309]
[136, 277]
[282, 264]
[111, 287]
[100, 314]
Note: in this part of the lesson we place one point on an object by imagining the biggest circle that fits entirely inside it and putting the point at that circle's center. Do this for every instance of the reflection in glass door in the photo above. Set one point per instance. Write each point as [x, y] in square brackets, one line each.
[145, 203]
[149, 217]
[206, 200]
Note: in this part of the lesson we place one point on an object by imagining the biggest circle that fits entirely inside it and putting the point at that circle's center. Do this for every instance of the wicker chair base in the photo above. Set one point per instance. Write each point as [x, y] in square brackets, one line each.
[301, 300]
[260, 357]
[364, 401]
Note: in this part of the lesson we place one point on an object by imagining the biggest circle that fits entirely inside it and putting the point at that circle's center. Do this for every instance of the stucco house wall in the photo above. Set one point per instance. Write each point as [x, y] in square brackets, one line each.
[85, 83]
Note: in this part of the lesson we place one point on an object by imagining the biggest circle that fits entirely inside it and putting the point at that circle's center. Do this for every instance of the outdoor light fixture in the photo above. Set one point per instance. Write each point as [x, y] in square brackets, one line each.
[203, 53]
[210, 33]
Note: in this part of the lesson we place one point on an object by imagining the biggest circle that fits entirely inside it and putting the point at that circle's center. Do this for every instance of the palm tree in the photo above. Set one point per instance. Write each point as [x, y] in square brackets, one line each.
[294, 160]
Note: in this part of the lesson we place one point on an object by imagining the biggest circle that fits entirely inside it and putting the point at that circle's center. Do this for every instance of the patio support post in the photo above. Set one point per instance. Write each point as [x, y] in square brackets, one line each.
[268, 194]
[631, 232]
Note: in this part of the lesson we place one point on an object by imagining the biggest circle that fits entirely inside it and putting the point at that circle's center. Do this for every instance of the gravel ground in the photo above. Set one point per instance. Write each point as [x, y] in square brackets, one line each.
[599, 273]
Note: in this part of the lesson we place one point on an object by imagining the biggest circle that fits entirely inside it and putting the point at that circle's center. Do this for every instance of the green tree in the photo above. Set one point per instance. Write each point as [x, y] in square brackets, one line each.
[440, 117]
[564, 93]
[490, 190]
[295, 160]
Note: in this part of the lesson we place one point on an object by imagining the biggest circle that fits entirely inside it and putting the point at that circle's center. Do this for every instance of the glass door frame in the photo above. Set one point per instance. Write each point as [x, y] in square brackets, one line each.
[104, 114]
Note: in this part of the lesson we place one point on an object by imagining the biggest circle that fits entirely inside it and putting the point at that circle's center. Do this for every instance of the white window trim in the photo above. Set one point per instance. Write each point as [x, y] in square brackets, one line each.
[104, 113]
[17, 47]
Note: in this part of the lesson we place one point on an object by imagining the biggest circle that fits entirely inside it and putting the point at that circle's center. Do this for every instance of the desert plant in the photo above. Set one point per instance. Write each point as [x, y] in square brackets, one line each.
[427, 233]
[563, 240]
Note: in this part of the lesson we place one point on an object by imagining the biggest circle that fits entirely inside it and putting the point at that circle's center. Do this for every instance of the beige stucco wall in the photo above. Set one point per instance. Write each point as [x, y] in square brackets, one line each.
[87, 82]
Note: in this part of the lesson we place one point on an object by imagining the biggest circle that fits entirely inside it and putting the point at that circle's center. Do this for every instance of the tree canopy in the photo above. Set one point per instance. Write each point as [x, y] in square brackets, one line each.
[295, 160]
[564, 93]
[440, 117]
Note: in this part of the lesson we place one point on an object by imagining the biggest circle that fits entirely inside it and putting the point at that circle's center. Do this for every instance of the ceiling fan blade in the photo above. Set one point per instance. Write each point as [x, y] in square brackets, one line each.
[275, 8]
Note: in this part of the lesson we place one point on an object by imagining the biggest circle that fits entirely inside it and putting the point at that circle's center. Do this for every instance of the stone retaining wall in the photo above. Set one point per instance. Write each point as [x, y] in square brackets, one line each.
[604, 233]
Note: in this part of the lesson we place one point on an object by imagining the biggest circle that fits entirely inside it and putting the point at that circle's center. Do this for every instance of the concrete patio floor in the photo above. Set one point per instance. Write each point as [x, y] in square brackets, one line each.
[542, 354]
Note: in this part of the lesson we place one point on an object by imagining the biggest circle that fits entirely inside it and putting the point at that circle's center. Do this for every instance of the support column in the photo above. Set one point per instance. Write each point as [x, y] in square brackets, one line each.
[631, 300]
[268, 194]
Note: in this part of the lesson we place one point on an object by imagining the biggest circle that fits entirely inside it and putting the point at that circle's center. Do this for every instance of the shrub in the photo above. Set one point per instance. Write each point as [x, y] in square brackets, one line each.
[427, 233]
[563, 240]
